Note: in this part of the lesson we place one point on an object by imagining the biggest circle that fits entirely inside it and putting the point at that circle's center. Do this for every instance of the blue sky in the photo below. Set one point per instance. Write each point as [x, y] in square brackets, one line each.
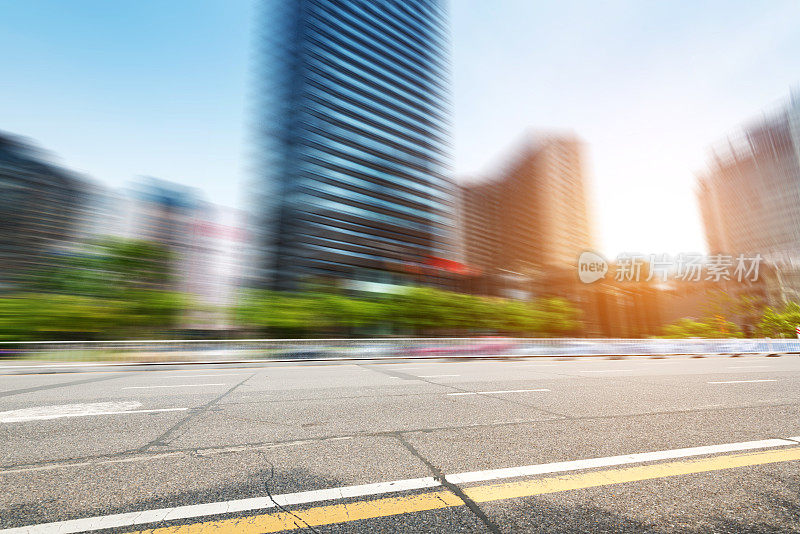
[163, 88]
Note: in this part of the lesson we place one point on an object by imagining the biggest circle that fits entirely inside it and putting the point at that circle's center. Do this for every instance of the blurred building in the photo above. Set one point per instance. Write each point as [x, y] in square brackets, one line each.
[750, 196]
[205, 241]
[527, 225]
[480, 222]
[750, 200]
[211, 267]
[354, 144]
[525, 228]
[162, 212]
[41, 206]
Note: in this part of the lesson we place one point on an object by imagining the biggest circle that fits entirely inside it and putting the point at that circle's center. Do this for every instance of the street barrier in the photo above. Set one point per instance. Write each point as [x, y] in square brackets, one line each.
[161, 351]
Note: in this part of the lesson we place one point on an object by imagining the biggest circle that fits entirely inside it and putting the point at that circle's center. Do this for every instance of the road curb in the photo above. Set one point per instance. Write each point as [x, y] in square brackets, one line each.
[72, 367]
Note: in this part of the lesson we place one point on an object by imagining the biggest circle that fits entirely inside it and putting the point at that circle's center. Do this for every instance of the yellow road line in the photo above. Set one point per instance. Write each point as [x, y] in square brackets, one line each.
[323, 515]
[606, 477]
[370, 509]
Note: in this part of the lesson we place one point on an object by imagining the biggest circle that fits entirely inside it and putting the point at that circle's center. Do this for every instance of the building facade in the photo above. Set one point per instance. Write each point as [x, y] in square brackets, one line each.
[205, 241]
[750, 201]
[750, 195]
[353, 143]
[530, 221]
[41, 207]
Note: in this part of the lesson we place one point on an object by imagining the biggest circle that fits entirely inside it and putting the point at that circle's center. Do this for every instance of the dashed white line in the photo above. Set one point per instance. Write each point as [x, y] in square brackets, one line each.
[44, 413]
[434, 376]
[495, 392]
[606, 371]
[742, 381]
[194, 376]
[173, 386]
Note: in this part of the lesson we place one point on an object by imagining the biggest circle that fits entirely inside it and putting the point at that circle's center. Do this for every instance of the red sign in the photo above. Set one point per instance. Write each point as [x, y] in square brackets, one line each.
[447, 265]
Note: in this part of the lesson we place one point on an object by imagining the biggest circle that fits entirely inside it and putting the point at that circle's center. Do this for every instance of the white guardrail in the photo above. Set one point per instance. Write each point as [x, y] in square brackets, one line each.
[259, 349]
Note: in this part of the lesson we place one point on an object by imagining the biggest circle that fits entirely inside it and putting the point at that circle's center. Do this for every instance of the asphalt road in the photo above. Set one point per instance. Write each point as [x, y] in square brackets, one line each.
[406, 446]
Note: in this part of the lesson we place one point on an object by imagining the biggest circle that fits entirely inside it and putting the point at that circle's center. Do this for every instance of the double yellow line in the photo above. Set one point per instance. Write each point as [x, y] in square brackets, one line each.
[370, 509]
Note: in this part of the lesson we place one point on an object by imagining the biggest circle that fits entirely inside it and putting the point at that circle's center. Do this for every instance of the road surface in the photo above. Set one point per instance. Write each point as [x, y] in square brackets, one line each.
[636, 445]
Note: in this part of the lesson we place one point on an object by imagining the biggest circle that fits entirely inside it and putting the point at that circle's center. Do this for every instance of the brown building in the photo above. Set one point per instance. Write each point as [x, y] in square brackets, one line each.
[529, 220]
[524, 229]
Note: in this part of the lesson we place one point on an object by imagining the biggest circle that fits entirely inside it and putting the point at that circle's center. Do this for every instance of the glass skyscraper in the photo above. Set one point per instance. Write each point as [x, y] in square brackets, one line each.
[354, 143]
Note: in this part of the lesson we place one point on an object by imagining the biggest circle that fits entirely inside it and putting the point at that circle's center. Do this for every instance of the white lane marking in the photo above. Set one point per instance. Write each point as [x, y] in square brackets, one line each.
[42, 413]
[173, 386]
[495, 392]
[742, 381]
[607, 371]
[434, 376]
[241, 505]
[125, 412]
[305, 497]
[575, 465]
[193, 376]
[65, 410]
[747, 366]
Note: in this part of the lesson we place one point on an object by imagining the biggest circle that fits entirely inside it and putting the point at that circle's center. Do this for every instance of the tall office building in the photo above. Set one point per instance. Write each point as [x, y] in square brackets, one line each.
[530, 221]
[750, 195]
[353, 143]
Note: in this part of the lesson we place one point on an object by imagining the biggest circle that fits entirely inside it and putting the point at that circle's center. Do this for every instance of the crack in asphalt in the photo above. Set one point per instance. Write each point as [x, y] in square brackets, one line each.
[60, 385]
[305, 525]
[127, 456]
[462, 390]
[163, 439]
[455, 489]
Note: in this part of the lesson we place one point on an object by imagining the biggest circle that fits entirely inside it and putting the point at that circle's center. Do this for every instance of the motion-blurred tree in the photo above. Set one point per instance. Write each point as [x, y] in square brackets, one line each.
[34, 316]
[114, 287]
[743, 310]
[710, 327]
[780, 323]
[557, 317]
[414, 311]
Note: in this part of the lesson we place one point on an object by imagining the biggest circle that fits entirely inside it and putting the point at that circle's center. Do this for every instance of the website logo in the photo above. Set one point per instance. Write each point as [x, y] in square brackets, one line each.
[591, 267]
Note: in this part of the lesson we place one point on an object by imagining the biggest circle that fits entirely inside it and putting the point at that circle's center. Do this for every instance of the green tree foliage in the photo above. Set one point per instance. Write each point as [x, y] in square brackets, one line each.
[744, 310]
[112, 288]
[415, 311]
[302, 314]
[558, 317]
[711, 327]
[33, 316]
[780, 323]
